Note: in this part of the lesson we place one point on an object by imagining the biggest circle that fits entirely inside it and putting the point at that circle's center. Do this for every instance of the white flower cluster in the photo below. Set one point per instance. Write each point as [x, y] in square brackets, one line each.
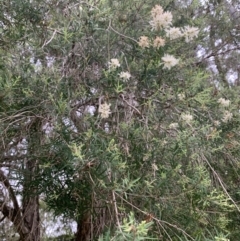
[224, 102]
[125, 76]
[104, 110]
[173, 125]
[186, 117]
[227, 116]
[157, 10]
[173, 33]
[158, 42]
[217, 123]
[181, 96]
[160, 19]
[144, 42]
[163, 20]
[190, 33]
[113, 64]
[169, 61]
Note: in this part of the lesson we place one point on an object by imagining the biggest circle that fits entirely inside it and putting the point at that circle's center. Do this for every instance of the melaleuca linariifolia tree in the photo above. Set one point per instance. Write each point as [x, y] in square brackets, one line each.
[153, 148]
[126, 120]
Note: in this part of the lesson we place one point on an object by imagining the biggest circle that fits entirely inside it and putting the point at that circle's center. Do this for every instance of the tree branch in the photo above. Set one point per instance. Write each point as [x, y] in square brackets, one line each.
[14, 214]
[6, 183]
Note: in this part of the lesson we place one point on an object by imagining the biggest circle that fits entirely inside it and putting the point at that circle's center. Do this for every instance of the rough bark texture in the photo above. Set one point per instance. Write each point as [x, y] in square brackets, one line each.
[25, 221]
[30, 202]
[93, 223]
[31, 219]
[84, 229]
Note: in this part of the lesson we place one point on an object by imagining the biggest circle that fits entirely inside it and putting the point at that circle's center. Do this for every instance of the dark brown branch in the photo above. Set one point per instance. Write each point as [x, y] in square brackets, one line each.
[6, 211]
[6, 183]
[216, 53]
[14, 214]
[15, 217]
[12, 166]
[11, 158]
[2, 218]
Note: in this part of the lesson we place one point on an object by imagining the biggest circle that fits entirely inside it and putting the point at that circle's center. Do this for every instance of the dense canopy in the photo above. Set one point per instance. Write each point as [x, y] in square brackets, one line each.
[119, 118]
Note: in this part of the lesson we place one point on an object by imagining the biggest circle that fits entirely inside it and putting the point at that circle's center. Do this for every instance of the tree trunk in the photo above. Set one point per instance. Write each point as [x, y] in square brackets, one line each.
[25, 221]
[84, 228]
[31, 219]
[30, 203]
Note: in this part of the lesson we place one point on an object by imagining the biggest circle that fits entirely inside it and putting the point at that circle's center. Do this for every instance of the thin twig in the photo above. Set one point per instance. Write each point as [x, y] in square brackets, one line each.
[46, 43]
[116, 210]
[7, 184]
[110, 27]
[158, 220]
[130, 105]
[221, 183]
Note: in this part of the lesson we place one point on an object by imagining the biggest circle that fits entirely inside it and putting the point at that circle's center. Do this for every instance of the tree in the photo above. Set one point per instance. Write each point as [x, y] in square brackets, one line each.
[106, 110]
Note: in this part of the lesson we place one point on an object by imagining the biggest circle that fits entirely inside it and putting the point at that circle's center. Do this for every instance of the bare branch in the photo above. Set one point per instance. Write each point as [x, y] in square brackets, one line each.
[6, 183]
[14, 216]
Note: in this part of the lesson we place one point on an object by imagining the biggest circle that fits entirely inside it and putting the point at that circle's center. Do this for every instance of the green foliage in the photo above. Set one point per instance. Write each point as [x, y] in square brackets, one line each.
[130, 230]
[168, 148]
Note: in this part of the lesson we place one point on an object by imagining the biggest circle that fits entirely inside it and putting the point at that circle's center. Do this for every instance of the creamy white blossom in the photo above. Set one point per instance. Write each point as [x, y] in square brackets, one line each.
[164, 142]
[181, 96]
[173, 125]
[169, 61]
[125, 76]
[173, 33]
[186, 117]
[227, 116]
[104, 110]
[157, 10]
[161, 21]
[143, 42]
[216, 123]
[158, 42]
[114, 63]
[167, 16]
[224, 102]
[190, 33]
